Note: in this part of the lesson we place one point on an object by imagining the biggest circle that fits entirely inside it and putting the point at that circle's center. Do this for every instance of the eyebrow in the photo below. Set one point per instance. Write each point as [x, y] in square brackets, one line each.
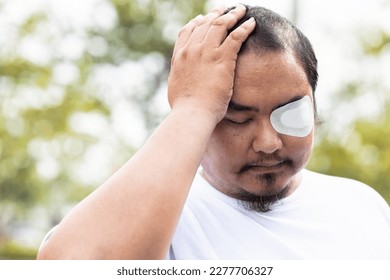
[234, 106]
[295, 98]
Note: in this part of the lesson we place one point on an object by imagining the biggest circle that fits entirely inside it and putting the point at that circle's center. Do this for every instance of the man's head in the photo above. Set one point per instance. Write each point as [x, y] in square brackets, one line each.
[248, 156]
[275, 33]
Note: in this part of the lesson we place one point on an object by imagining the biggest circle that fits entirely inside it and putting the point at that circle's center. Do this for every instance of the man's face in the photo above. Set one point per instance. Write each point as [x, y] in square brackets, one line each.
[246, 155]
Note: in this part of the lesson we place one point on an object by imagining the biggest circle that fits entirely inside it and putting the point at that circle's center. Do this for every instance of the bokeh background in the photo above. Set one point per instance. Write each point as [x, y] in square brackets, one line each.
[83, 83]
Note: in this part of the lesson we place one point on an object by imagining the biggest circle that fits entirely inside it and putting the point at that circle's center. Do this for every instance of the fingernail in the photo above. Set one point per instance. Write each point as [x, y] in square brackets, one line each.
[199, 17]
[230, 9]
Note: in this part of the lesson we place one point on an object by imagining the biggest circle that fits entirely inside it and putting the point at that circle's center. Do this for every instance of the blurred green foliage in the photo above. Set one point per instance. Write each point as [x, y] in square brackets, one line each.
[362, 150]
[36, 111]
[363, 153]
[14, 251]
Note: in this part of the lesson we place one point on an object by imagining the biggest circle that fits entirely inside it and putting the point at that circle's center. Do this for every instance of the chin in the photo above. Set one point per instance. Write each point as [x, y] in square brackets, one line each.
[263, 195]
[266, 184]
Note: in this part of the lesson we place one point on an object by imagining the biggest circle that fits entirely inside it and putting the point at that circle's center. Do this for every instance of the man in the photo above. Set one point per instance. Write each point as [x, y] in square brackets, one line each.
[241, 90]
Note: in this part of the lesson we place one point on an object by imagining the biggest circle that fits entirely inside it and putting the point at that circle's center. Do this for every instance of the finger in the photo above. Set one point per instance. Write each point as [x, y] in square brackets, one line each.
[234, 40]
[186, 31]
[204, 24]
[220, 26]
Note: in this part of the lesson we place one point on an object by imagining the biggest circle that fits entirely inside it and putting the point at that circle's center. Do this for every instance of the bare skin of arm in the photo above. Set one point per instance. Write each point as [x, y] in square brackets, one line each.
[133, 215]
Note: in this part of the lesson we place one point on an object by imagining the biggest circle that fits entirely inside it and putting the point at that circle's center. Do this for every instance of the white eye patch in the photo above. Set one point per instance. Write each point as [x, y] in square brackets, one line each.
[294, 119]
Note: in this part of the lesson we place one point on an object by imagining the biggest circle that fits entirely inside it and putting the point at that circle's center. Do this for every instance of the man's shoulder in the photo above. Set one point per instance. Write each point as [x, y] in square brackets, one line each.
[317, 177]
[339, 184]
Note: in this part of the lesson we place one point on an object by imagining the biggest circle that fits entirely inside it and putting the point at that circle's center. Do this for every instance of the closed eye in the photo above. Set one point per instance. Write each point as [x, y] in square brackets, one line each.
[239, 122]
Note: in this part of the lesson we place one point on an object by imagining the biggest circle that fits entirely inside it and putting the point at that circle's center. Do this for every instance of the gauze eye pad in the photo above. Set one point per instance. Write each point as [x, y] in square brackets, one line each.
[294, 119]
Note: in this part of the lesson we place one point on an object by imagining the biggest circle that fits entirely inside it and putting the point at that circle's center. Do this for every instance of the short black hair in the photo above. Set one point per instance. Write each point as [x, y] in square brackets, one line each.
[275, 33]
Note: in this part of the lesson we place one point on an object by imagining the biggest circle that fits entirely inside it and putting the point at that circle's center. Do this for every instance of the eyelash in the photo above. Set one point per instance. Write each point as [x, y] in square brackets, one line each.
[239, 123]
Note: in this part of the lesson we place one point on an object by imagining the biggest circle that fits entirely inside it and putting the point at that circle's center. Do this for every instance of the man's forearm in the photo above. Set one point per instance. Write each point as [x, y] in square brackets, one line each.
[133, 215]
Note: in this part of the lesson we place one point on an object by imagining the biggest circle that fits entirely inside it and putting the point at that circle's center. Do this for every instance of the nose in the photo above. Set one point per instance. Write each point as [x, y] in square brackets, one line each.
[266, 139]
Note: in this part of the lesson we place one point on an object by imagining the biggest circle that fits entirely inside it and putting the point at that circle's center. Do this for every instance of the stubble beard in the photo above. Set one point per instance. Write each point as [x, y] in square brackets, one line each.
[262, 203]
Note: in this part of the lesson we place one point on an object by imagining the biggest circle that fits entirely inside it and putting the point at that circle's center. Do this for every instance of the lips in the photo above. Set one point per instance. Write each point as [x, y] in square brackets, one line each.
[263, 166]
[266, 164]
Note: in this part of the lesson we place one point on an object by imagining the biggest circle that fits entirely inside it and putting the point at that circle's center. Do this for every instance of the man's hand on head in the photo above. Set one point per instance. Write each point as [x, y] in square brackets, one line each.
[204, 61]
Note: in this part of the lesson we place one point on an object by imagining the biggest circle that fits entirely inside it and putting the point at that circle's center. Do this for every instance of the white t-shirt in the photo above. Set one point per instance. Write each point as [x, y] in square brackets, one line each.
[325, 218]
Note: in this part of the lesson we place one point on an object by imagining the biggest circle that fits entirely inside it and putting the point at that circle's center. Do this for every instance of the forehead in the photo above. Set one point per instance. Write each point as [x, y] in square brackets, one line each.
[269, 79]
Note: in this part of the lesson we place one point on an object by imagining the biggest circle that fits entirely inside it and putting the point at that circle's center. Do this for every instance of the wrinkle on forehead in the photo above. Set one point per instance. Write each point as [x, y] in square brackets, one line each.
[275, 74]
[271, 60]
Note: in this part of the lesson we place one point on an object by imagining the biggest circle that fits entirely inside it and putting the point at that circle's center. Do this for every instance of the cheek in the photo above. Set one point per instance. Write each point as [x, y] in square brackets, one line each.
[299, 149]
[226, 148]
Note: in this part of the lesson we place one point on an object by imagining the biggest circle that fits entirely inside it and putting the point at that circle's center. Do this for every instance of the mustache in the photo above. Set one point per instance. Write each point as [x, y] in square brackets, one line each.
[265, 162]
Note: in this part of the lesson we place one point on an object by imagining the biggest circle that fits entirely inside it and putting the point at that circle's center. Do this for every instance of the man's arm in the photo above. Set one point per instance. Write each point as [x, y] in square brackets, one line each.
[133, 215]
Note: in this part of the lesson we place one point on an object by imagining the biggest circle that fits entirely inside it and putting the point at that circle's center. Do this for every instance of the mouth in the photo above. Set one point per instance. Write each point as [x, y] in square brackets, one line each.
[263, 167]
